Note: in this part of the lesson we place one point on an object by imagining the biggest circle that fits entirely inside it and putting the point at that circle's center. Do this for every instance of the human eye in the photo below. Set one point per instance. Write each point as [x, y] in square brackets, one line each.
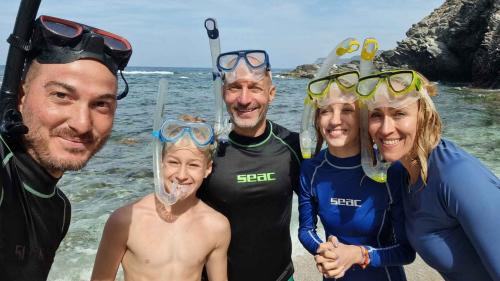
[400, 113]
[172, 161]
[256, 89]
[324, 111]
[347, 109]
[60, 96]
[375, 114]
[233, 87]
[104, 106]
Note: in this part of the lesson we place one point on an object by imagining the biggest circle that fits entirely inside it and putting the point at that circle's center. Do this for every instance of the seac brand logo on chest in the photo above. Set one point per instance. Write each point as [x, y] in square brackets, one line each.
[345, 202]
[261, 177]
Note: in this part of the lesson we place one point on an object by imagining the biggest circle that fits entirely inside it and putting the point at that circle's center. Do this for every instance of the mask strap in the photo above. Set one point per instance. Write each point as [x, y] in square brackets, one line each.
[125, 91]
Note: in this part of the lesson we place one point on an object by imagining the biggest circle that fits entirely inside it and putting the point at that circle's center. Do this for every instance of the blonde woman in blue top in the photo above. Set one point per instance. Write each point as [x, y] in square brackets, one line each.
[451, 199]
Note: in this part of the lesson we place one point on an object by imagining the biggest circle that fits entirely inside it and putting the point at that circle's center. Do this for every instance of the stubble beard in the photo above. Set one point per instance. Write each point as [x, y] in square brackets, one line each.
[37, 147]
[247, 124]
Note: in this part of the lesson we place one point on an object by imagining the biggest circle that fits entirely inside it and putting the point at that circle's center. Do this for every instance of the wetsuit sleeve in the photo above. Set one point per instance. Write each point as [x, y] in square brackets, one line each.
[308, 213]
[400, 252]
[471, 194]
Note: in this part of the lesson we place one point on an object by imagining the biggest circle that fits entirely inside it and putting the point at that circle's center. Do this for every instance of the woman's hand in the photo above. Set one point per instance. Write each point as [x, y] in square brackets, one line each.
[335, 258]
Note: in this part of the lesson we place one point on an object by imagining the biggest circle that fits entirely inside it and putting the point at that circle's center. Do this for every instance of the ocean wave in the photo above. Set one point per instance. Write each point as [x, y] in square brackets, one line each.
[140, 72]
[281, 76]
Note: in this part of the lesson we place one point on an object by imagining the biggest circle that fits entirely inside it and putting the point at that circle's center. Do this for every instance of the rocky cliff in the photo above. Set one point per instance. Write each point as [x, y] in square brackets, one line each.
[457, 42]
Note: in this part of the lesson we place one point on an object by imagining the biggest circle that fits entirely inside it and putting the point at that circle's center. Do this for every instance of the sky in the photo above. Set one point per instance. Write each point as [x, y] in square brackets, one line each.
[171, 33]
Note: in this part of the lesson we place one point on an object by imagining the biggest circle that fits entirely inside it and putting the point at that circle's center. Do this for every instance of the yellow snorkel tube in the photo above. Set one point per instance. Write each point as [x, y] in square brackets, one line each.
[373, 164]
[308, 138]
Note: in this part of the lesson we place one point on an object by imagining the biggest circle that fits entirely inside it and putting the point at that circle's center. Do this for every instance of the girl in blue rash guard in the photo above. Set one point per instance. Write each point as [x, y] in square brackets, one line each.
[365, 216]
[451, 199]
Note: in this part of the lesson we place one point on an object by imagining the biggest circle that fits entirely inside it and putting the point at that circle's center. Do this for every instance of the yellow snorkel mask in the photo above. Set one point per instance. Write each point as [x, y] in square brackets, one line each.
[325, 88]
[395, 88]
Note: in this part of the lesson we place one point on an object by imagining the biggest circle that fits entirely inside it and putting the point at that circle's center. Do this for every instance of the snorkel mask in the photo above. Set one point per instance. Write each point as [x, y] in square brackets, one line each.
[335, 88]
[396, 88]
[245, 64]
[59, 41]
[324, 90]
[174, 133]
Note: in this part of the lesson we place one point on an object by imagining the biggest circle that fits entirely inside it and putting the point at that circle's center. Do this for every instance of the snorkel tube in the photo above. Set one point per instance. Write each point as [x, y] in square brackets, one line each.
[222, 127]
[166, 198]
[373, 164]
[11, 122]
[308, 138]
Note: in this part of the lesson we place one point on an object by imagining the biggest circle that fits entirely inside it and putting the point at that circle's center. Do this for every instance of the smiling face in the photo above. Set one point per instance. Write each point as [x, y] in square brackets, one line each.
[69, 110]
[338, 124]
[247, 101]
[187, 165]
[394, 130]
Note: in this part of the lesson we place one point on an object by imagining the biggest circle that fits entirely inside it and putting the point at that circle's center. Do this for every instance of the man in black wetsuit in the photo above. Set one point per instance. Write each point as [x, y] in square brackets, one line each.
[68, 101]
[255, 173]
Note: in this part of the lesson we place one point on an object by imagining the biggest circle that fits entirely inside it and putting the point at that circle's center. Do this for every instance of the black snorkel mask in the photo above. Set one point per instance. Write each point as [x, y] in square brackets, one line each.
[55, 41]
[60, 41]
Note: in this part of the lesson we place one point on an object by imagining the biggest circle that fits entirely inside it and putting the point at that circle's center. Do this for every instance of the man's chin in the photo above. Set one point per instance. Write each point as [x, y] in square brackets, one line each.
[65, 163]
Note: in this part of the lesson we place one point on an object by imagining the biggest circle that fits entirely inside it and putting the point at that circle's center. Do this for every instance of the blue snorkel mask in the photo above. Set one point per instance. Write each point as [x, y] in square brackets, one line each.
[201, 134]
[255, 67]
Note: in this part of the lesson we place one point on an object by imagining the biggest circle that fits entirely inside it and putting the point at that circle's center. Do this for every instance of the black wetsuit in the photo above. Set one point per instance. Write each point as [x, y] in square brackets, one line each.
[252, 184]
[34, 216]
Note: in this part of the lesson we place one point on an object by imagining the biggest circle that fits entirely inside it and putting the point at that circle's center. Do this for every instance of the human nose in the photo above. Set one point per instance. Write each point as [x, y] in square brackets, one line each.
[182, 174]
[244, 96]
[387, 125]
[335, 118]
[80, 120]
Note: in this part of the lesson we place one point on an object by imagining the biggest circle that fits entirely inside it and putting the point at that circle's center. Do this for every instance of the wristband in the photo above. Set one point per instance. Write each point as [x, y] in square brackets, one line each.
[366, 257]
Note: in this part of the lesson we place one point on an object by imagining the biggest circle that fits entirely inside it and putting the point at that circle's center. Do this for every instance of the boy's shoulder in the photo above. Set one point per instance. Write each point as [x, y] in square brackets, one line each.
[211, 218]
[124, 214]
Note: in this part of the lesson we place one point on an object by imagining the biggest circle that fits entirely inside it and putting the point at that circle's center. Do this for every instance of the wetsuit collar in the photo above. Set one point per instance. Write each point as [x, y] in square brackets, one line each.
[348, 162]
[245, 141]
[35, 178]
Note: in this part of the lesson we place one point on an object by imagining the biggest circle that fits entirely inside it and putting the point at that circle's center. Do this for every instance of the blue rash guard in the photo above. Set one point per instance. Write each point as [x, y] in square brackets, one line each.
[356, 209]
[453, 222]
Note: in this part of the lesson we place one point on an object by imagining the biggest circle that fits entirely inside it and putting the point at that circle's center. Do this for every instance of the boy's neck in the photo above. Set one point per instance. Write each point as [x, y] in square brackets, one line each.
[171, 213]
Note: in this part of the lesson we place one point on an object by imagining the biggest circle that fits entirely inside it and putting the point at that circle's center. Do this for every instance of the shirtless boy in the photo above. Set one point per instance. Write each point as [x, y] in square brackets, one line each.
[170, 234]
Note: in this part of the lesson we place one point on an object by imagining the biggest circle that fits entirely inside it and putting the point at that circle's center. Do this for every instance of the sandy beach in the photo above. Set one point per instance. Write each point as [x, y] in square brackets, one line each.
[305, 270]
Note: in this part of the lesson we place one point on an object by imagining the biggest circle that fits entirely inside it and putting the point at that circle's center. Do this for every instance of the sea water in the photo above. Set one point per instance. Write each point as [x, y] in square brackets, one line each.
[122, 171]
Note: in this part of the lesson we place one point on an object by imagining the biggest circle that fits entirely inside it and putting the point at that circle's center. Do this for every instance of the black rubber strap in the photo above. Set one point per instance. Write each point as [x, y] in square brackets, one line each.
[19, 43]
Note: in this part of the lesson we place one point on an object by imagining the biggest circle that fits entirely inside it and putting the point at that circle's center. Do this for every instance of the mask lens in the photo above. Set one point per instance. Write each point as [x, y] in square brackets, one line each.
[318, 87]
[348, 80]
[256, 59]
[62, 29]
[172, 131]
[201, 134]
[228, 61]
[114, 42]
[400, 81]
[366, 86]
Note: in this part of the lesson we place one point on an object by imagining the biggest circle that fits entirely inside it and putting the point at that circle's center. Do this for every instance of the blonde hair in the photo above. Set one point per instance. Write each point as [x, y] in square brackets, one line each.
[209, 151]
[319, 136]
[428, 129]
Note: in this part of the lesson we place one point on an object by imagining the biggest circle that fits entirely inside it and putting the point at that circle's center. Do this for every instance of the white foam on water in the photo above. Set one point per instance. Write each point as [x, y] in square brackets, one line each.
[139, 72]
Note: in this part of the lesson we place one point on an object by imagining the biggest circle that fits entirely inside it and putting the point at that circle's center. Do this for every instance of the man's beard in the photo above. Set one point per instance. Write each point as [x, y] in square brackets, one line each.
[38, 147]
[248, 123]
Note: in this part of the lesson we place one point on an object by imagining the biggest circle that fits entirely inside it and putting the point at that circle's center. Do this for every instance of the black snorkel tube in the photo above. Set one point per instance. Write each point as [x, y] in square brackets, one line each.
[11, 122]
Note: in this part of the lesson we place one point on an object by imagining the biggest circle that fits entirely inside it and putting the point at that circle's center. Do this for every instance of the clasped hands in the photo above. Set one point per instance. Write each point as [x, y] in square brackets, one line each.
[334, 258]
